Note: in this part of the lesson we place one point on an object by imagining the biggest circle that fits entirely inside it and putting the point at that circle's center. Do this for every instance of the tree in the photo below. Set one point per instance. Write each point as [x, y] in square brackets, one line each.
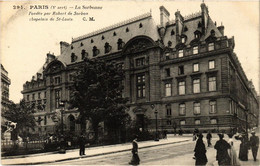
[22, 114]
[97, 93]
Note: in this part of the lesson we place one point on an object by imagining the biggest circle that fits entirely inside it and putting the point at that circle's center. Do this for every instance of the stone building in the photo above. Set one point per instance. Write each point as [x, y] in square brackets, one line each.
[5, 83]
[184, 69]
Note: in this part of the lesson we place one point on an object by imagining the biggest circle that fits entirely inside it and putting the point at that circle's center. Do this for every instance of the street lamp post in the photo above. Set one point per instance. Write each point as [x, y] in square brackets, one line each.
[156, 126]
[62, 139]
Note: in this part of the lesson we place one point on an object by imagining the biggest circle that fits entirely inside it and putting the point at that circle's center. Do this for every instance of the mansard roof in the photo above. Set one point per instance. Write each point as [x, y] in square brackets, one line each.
[141, 25]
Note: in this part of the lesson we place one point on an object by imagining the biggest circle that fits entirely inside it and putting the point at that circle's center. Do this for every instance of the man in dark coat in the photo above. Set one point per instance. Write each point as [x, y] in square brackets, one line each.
[209, 136]
[200, 152]
[135, 158]
[82, 142]
[254, 143]
[222, 147]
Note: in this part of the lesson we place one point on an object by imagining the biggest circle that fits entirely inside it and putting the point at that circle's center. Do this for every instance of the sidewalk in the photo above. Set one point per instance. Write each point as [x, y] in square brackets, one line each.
[94, 151]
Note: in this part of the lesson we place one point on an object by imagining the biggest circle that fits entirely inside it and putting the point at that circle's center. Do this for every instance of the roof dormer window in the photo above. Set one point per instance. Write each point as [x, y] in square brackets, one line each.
[212, 33]
[199, 25]
[95, 51]
[120, 44]
[172, 32]
[107, 48]
[83, 54]
[185, 29]
[169, 43]
[73, 57]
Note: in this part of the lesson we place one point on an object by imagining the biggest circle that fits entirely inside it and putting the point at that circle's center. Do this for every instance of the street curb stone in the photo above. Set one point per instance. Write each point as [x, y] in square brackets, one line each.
[100, 154]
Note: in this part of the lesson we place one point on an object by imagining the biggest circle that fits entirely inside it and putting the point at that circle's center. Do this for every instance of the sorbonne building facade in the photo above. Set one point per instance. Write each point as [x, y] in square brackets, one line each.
[183, 69]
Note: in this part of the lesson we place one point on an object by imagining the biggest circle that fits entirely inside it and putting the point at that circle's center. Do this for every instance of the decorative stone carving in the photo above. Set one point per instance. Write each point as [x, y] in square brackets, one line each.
[138, 45]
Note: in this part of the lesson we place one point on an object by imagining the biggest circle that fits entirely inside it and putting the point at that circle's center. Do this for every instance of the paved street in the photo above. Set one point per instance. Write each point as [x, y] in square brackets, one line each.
[172, 154]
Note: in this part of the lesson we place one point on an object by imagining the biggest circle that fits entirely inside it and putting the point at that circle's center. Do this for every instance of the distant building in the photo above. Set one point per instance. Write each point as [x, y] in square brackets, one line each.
[185, 68]
[5, 83]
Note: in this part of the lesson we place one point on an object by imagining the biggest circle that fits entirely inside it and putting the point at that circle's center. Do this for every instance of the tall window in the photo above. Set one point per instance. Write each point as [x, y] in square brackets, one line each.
[195, 50]
[211, 46]
[140, 86]
[212, 84]
[139, 62]
[197, 121]
[167, 56]
[168, 110]
[181, 87]
[212, 107]
[180, 53]
[196, 108]
[211, 64]
[28, 97]
[195, 67]
[45, 120]
[196, 85]
[168, 72]
[57, 98]
[182, 109]
[33, 96]
[168, 89]
[181, 70]
[45, 93]
[57, 80]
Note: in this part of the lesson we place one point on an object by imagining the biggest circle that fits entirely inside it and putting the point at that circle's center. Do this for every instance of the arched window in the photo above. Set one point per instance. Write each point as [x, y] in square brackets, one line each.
[140, 25]
[83, 54]
[172, 32]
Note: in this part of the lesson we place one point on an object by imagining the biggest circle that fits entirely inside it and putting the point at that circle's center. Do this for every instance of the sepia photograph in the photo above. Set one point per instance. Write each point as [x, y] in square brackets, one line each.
[169, 82]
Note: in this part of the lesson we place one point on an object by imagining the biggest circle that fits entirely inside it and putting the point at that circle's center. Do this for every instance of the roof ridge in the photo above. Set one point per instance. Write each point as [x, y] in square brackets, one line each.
[193, 15]
[148, 14]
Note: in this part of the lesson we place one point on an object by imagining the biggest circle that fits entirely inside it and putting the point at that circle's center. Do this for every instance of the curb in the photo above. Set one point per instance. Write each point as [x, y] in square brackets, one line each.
[93, 155]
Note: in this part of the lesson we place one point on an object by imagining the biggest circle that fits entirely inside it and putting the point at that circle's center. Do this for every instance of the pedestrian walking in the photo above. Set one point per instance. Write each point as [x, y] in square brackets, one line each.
[82, 142]
[244, 146]
[209, 137]
[135, 158]
[222, 147]
[200, 152]
[232, 152]
[254, 143]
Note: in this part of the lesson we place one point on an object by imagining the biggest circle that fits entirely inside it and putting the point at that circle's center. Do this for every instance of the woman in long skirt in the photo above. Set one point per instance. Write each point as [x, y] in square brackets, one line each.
[200, 152]
[244, 146]
[135, 158]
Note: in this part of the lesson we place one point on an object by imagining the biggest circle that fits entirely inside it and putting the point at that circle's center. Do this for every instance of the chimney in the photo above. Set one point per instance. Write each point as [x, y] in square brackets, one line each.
[50, 57]
[63, 46]
[164, 16]
[179, 25]
[205, 17]
[221, 29]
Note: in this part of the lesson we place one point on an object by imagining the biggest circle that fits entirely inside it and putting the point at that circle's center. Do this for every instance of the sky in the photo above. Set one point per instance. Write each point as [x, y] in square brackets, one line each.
[24, 44]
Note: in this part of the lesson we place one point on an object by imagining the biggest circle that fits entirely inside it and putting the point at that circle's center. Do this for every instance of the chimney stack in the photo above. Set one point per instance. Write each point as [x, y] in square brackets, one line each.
[63, 46]
[164, 16]
[221, 29]
[50, 57]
